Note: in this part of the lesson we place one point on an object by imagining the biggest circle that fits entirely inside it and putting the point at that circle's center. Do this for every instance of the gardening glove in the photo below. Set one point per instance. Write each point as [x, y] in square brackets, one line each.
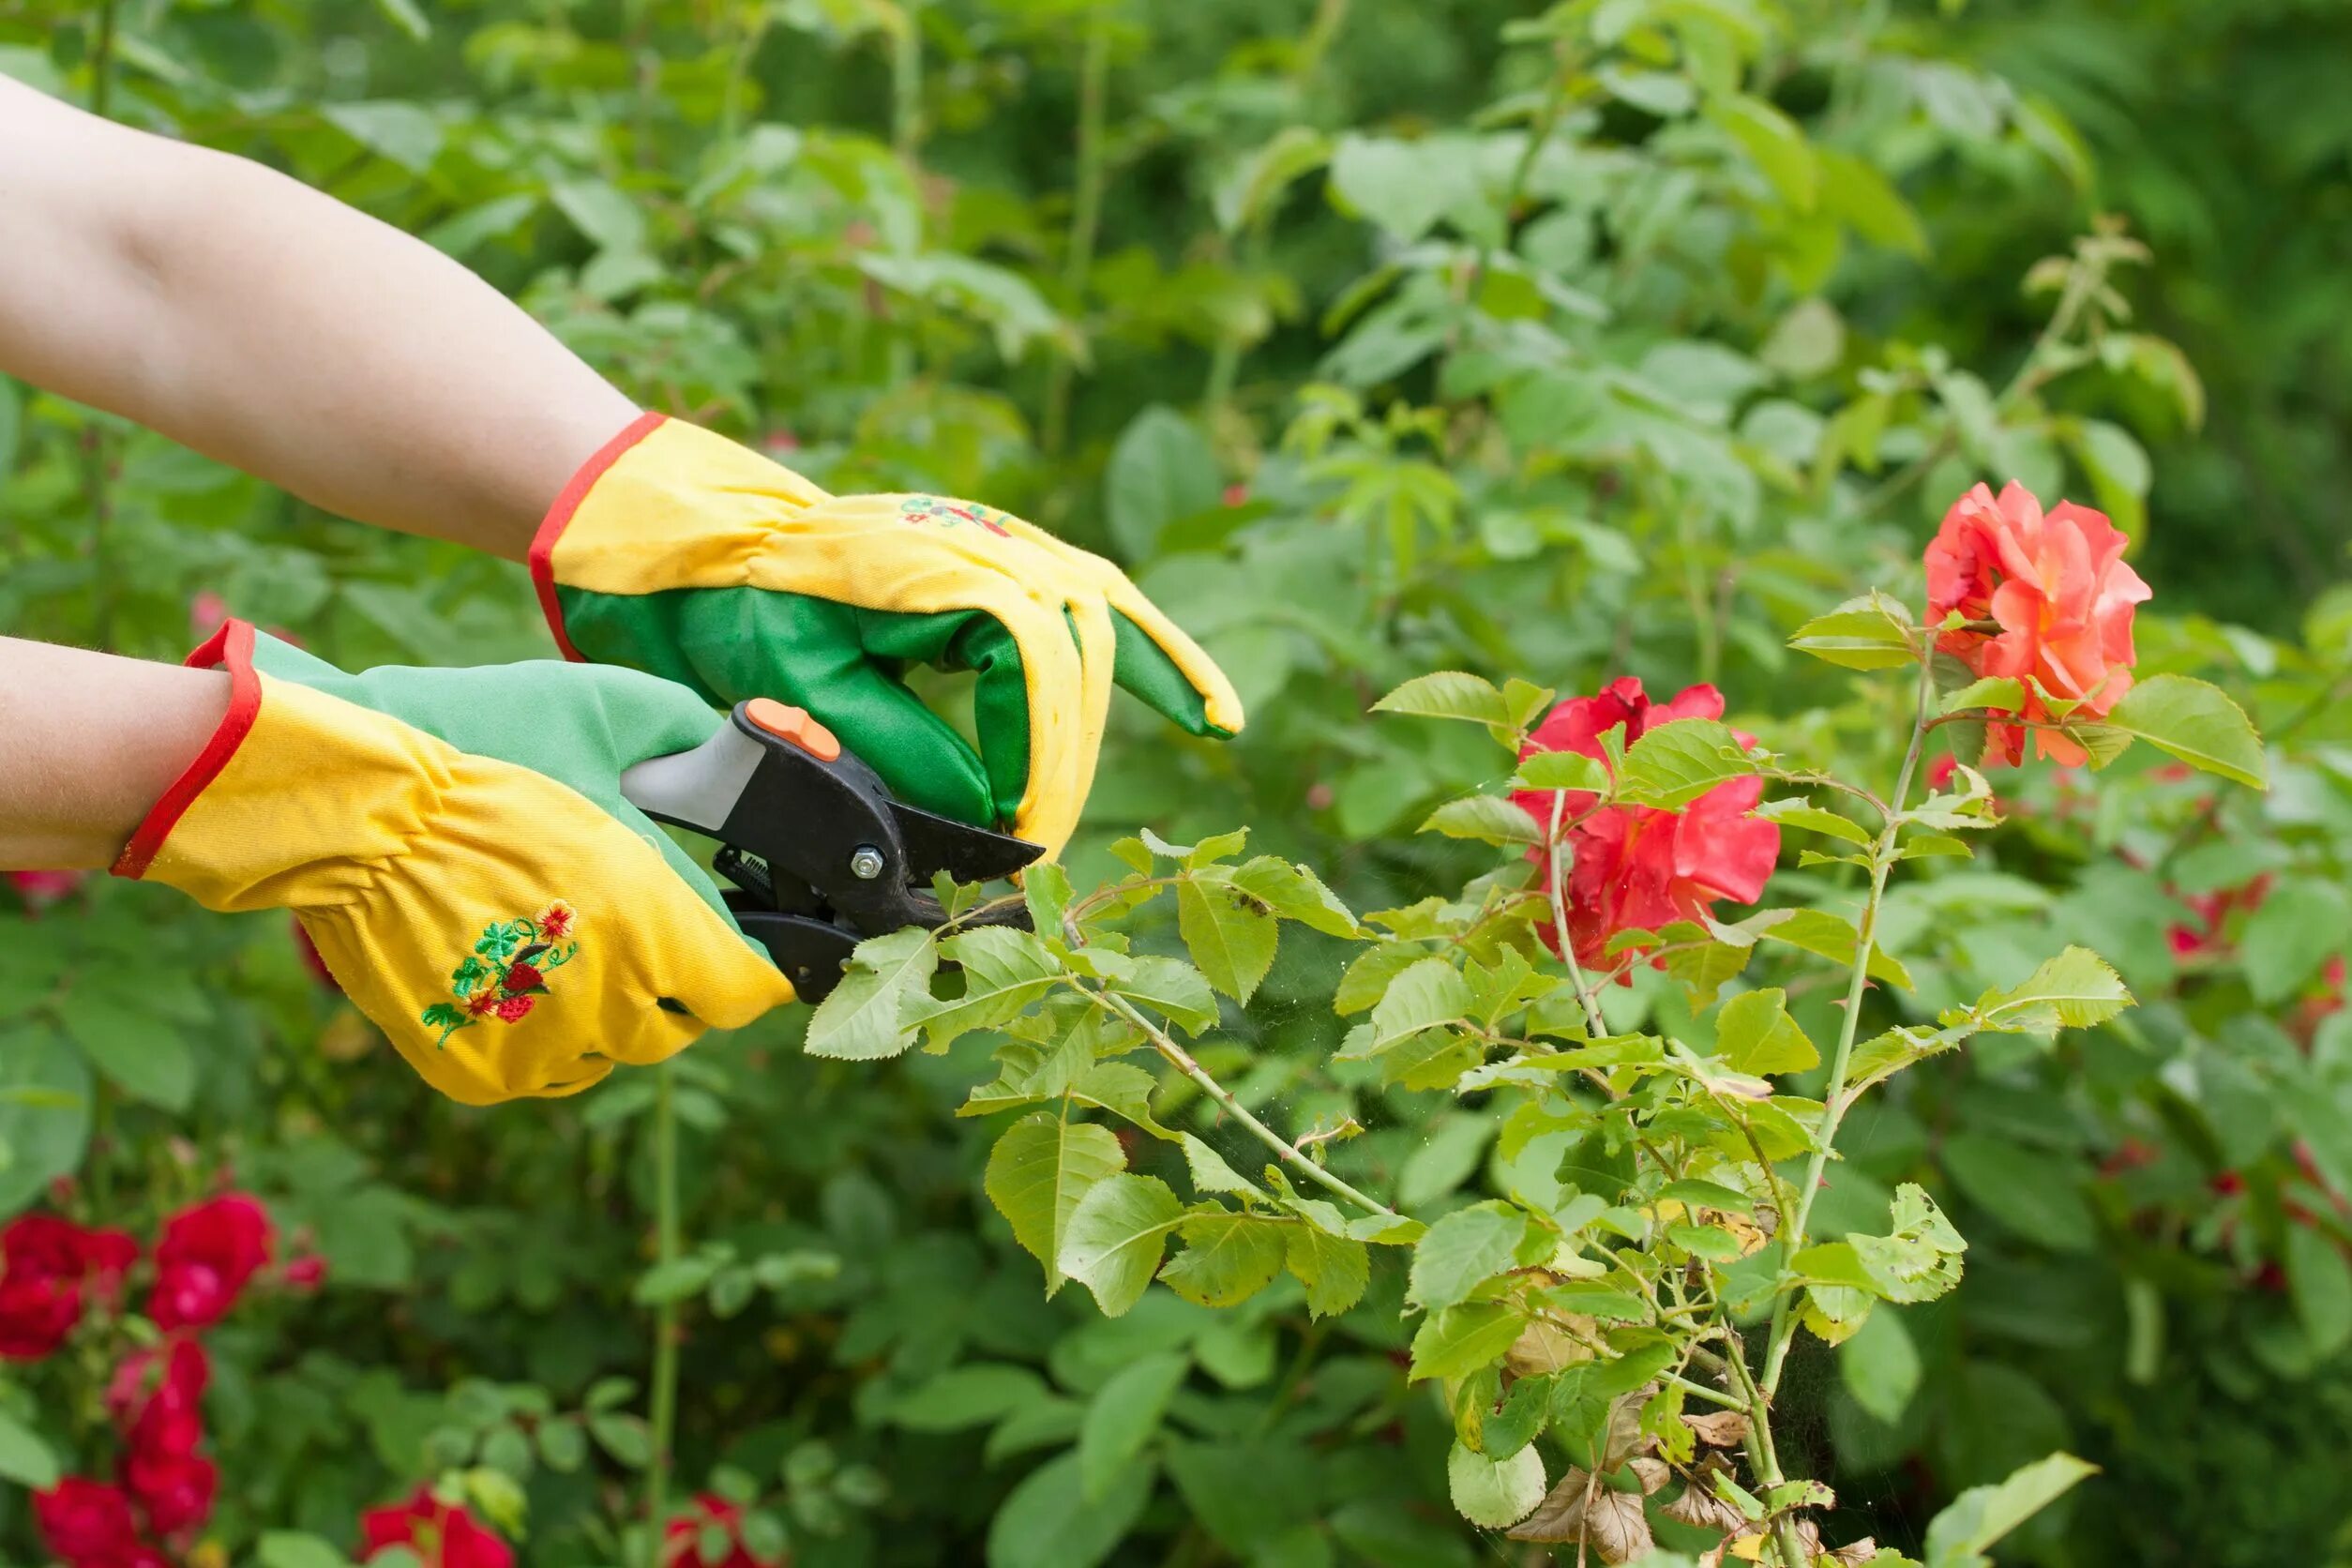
[680, 552]
[456, 844]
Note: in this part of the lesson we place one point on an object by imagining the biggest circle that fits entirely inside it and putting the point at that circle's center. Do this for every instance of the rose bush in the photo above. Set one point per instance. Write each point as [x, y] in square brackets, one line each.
[1624, 345]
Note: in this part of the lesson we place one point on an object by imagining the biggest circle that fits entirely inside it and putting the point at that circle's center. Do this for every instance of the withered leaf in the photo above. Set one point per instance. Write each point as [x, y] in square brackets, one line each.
[1854, 1555]
[1701, 1508]
[1653, 1474]
[1718, 1428]
[1579, 1511]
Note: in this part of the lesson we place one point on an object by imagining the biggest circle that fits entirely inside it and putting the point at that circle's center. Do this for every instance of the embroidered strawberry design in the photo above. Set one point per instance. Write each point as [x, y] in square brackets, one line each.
[506, 973]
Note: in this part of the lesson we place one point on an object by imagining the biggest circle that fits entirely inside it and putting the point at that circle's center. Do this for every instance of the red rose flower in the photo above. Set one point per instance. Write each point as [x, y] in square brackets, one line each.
[46, 1263]
[522, 977]
[306, 1274]
[1639, 867]
[2212, 912]
[39, 889]
[206, 1257]
[173, 1490]
[157, 1398]
[2057, 588]
[442, 1535]
[512, 1008]
[86, 1521]
[681, 1539]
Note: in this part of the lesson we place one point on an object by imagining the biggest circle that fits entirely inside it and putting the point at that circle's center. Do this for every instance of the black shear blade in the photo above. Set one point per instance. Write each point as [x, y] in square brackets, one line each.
[966, 853]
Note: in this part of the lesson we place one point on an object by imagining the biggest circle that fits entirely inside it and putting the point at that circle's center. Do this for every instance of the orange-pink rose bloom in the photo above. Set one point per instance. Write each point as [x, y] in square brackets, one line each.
[2057, 587]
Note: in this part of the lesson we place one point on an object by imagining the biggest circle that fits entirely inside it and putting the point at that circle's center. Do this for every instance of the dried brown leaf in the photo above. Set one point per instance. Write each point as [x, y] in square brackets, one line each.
[1581, 1512]
[1653, 1473]
[1701, 1508]
[1718, 1428]
[1854, 1555]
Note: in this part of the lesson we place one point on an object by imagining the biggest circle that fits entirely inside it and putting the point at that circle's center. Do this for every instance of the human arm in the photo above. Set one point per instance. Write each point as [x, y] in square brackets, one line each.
[275, 329]
[93, 740]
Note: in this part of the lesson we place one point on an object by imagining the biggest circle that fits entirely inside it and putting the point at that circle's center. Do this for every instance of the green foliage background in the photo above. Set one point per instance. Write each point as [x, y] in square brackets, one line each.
[1712, 357]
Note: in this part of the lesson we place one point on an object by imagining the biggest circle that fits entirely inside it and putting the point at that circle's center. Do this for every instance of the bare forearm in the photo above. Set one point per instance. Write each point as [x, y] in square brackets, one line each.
[92, 739]
[278, 330]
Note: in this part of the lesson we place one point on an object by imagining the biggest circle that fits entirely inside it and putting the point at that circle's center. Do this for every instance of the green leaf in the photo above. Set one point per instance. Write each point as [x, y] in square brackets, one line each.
[45, 1099]
[404, 15]
[1754, 1033]
[1255, 186]
[1046, 891]
[1228, 1258]
[1232, 941]
[1209, 1173]
[1004, 970]
[1172, 988]
[1831, 937]
[1038, 1173]
[25, 1458]
[871, 1013]
[969, 1395]
[1873, 632]
[1920, 1260]
[1447, 694]
[1492, 1493]
[2319, 1282]
[2000, 693]
[401, 134]
[1404, 187]
[2196, 722]
[2120, 472]
[611, 219]
[1959, 1536]
[1488, 819]
[1294, 891]
[1803, 814]
[1115, 1239]
[1458, 1340]
[1333, 1269]
[143, 1055]
[2076, 989]
[282, 1548]
[1162, 470]
[1774, 142]
[1463, 1249]
[1674, 763]
[1123, 1415]
[624, 1437]
[2298, 927]
[1428, 993]
[1563, 770]
[1880, 1367]
[673, 1281]
[1049, 1522]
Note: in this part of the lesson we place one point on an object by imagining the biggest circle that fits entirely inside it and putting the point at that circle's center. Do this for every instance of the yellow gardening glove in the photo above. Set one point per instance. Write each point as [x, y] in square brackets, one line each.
[680, 552]
[456, 844]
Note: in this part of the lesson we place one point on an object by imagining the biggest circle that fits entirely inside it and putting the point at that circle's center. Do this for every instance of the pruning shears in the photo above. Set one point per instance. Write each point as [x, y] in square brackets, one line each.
[821, 853]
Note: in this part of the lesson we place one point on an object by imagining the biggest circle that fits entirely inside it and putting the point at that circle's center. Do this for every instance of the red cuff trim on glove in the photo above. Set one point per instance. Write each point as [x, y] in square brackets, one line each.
[560, 516]
[232, 646]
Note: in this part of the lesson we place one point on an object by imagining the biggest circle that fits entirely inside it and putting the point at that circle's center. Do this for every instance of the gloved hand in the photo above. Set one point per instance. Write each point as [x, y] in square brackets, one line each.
[456, 844]
[680, 552]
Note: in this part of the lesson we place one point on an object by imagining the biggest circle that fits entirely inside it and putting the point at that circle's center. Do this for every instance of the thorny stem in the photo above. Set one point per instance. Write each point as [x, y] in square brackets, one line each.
[1182, 1060]
[1086, 213]
[666, 1248]
[1585, 998]
[1833, 1102]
